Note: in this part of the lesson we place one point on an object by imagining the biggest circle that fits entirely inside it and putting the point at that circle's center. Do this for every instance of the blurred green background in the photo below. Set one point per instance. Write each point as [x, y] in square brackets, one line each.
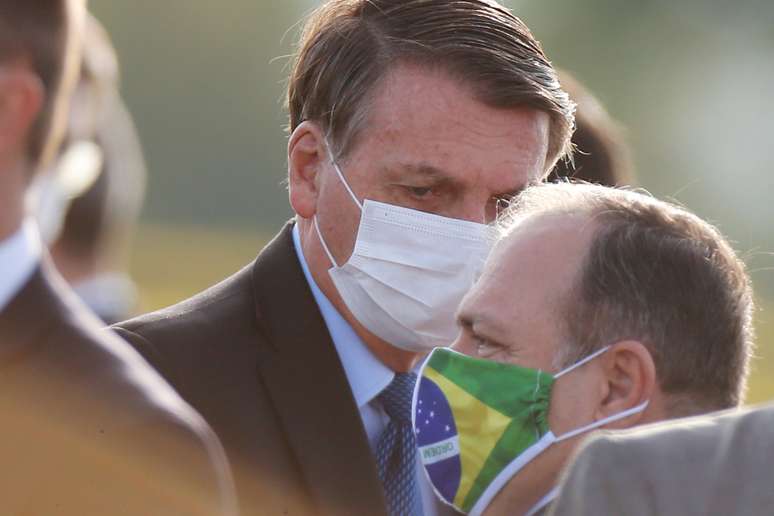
[691, 81]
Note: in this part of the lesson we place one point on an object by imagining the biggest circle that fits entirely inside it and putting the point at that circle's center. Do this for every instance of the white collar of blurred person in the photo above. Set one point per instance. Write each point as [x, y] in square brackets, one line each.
[73, 173]
[408, 271]
[110, 295]
[19, 258]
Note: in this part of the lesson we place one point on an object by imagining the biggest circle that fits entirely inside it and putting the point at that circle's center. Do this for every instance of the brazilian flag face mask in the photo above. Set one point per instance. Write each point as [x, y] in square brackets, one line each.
[479, 422]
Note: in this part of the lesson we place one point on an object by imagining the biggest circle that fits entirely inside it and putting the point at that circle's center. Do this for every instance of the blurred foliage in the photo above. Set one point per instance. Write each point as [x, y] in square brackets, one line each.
[171, 263]
[690, 80]
[761, 387]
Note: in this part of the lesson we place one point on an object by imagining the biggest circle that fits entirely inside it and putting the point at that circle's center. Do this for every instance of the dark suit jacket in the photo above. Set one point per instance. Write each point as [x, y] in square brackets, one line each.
[87, 427]
[253, 355]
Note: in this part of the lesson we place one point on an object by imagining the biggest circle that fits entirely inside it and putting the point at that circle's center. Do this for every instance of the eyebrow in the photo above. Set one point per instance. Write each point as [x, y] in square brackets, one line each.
[422, 169]
[441, 177]
[469, 320]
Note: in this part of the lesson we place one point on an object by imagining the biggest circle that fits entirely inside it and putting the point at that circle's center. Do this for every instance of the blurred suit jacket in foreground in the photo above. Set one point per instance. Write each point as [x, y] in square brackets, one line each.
[87, 427]
[715, 464]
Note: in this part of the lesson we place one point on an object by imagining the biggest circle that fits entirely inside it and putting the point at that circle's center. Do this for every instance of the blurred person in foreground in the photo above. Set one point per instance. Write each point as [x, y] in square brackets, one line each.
[410, 120]
[598, 307]
[88, 427]
[88, 203]
[714, 464]
[601, 155]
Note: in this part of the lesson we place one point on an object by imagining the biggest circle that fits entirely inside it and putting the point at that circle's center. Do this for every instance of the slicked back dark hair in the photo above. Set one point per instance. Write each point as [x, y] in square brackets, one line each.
[348, 46]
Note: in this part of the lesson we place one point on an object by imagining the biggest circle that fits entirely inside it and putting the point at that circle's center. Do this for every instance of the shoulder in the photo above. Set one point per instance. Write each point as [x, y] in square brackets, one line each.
[198, 328]
[87, 359]
[682, 439]
[227, 323]
[100, 401]
[220, 307]
[646, 470]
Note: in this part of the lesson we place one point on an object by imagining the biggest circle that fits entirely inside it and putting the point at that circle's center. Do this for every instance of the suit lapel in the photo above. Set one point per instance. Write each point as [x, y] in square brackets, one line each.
[30, 314]
[309, 388]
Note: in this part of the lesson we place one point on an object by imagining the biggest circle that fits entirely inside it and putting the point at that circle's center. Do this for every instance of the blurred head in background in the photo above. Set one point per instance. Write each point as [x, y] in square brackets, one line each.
[444, 108]
[38, 63]
[89, 198]
[601, 155]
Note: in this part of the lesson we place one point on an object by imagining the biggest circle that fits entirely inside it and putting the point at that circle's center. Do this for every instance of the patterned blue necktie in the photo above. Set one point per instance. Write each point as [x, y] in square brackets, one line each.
[396, 452]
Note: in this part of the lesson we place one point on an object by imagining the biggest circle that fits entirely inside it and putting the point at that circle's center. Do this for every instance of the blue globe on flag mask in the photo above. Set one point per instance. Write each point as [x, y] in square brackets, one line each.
[473, 418]
[437, 440]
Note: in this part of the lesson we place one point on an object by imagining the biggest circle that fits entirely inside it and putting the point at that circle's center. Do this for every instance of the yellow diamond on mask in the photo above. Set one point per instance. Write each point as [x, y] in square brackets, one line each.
[479, 428]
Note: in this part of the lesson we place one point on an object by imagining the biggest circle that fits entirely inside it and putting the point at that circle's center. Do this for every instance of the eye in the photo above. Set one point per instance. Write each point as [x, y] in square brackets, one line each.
[484, 348]
[419, 192]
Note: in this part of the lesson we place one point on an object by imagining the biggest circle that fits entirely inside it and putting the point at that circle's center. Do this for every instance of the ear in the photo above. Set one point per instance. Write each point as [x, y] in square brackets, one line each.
[629, 380]
[21, 99]
[307, 154]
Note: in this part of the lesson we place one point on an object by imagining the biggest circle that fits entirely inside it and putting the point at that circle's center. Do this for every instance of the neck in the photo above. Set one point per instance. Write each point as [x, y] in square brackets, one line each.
[398, 360]
[12, 200]
[532, 483]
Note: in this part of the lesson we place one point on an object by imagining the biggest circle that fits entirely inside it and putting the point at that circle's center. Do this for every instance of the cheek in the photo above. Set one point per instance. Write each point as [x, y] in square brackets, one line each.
[338, 218]
[572, 406]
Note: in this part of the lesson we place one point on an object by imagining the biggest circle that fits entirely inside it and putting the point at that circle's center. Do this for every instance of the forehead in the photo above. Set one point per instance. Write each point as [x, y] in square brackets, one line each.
[424, 115]
[522, 291]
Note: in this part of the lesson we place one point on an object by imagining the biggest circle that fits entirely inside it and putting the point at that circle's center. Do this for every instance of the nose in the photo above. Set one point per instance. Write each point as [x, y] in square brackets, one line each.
[477, 208]
[461, 344]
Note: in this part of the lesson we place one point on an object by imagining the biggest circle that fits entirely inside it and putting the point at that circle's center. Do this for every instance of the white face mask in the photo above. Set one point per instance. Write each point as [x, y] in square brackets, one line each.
[408, 272]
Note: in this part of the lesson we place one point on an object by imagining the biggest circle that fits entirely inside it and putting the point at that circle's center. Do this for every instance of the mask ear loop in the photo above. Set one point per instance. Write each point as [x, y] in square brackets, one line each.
[351, 194]
[543, 502]
[604, 421]
[322, 241]
[341, 177]
[581, 362]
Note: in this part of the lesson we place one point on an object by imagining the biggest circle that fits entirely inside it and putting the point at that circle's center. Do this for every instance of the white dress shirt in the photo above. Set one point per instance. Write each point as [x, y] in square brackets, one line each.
[19, 257]
[366, 374]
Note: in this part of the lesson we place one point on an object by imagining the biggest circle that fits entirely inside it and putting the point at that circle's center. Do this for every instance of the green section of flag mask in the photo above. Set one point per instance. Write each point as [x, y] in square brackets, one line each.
[478, 423]
[472, 417]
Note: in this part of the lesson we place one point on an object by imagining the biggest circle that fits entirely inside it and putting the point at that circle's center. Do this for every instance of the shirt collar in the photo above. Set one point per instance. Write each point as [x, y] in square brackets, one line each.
[366, 374]
[19, 257]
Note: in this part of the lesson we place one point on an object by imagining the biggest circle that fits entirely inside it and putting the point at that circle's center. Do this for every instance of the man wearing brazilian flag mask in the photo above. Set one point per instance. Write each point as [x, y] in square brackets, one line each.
[598, 308]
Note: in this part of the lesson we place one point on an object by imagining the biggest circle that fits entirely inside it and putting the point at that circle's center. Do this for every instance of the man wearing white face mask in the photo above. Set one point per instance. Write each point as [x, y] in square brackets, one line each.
[597, 308]
[410, 121]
